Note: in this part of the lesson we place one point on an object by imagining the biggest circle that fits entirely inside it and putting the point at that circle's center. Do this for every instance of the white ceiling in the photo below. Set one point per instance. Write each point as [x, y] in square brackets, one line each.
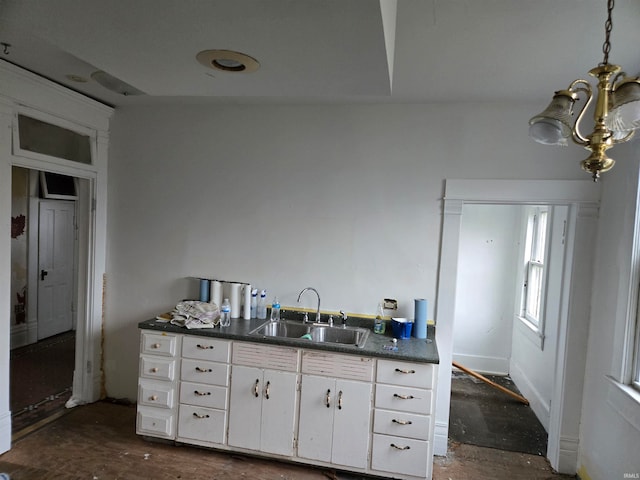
[321, 50]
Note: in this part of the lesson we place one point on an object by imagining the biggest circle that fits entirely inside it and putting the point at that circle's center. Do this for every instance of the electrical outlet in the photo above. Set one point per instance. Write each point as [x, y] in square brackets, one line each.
[390, 304]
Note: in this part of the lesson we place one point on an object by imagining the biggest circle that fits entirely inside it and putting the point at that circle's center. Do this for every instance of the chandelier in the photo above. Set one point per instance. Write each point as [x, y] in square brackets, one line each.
[616, 113]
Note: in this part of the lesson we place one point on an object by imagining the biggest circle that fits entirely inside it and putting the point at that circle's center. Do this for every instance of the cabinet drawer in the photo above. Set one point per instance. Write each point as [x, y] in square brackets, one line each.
[157, 368]
[159, 344]
[203, 424]
[402, 424]
[400, 455]
[403, 399]
[156, 394]
[204, 348]
[200, 371]
[203, 395]
[155, 422]
[406, 374]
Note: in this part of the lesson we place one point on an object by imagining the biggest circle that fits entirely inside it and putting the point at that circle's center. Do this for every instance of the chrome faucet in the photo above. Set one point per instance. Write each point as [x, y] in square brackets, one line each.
[344, 318]
[316, 292]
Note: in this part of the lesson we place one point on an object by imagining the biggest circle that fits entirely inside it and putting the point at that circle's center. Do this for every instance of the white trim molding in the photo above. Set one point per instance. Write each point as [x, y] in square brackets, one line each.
[582, 197]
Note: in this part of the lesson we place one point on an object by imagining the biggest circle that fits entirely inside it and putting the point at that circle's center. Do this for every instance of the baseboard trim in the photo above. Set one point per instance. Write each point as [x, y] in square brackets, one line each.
[5, 432]
[536, 402]
[441, 439]
[483, 364]
[568, 455]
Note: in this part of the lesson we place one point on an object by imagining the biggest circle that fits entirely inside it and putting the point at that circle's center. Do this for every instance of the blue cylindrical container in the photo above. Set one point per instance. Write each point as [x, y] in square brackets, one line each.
[204, 290]
[420, 318]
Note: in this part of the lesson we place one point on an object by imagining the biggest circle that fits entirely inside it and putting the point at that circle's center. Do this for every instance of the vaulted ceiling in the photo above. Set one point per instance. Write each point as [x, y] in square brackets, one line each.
[320, 50]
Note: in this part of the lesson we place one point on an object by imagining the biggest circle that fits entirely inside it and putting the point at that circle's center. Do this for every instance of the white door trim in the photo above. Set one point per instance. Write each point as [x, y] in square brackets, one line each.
[582, 197]
[22, 90]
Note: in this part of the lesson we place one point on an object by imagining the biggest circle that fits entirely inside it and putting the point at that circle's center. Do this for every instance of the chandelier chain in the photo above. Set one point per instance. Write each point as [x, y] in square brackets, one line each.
[608, 26]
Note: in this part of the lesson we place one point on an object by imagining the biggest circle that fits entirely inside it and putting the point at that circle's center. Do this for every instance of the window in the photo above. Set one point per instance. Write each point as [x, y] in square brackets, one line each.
[534, 268]
[45, 138]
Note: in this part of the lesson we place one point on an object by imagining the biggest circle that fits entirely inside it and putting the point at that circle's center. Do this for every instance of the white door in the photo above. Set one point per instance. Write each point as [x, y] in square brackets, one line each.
[55, 267]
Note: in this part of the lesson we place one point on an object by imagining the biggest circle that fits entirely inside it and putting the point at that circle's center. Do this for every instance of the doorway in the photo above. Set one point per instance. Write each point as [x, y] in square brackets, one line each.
[43, 317]
[581, 199]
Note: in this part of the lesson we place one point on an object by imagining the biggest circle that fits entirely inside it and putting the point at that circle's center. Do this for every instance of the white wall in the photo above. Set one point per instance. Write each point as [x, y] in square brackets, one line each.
[485, 288]
[343, 198]
[609, 442]
[533, 362]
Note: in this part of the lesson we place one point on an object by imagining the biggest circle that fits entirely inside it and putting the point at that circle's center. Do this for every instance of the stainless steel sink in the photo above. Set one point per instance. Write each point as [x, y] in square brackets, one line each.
[313, 332]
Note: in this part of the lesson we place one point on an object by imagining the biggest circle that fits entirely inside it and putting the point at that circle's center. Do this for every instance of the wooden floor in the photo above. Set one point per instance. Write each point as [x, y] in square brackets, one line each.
[98, 442]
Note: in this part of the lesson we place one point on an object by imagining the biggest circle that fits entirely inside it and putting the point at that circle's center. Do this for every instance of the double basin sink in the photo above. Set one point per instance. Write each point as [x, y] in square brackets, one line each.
[313, 332]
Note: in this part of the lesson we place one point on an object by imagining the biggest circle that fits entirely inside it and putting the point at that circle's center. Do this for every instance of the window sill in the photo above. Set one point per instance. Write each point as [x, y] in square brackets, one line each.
[530, 331]
[625, 400]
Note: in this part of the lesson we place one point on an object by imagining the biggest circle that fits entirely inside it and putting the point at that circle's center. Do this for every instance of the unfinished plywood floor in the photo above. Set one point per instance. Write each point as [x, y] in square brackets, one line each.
[98, 442]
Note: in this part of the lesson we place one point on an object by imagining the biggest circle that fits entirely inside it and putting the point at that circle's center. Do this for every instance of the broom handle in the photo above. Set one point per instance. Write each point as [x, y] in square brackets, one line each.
[493, 384]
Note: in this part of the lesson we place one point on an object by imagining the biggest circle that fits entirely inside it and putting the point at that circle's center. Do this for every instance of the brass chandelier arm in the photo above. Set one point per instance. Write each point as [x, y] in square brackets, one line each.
[588, 92]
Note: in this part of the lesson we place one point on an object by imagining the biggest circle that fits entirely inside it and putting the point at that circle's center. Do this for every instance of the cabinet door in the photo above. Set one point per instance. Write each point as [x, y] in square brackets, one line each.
[279, 402]
[245, 407]
[316, 417]
[352, 423]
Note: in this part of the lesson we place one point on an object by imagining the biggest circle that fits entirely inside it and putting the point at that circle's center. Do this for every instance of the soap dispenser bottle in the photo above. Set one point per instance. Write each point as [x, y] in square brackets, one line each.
[262, 305]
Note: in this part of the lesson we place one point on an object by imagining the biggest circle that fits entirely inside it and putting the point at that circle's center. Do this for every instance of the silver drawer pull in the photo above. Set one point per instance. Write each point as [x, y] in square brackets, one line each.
[201, 394]
[402, 422]
[154, 370]
[205, 347]
[153, 398]
[403, 397]
[203, 370]
[406, 447]
[327, 398]
[200, 416]
[156, 345]
[405, 371]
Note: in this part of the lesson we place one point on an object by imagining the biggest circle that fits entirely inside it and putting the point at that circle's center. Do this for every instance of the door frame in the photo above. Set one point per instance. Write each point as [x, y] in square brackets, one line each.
[26, 92]
[583, 199]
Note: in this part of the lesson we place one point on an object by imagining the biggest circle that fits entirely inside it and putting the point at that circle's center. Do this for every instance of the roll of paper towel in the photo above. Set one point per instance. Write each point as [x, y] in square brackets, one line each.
[235, 299]
[246, 307]
[204, 290]
[216, 292]
[420, 318]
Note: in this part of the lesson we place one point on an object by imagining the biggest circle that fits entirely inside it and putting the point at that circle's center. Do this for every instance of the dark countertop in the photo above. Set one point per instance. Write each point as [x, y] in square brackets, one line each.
[411, 349]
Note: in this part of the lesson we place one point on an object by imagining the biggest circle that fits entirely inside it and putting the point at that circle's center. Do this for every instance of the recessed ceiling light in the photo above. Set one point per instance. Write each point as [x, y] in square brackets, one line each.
[114, 84]
[77, 78]
[228, 61]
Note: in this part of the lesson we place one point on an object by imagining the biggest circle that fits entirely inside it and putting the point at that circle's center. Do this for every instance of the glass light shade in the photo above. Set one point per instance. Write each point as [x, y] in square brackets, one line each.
[624, 109]
[554, 125]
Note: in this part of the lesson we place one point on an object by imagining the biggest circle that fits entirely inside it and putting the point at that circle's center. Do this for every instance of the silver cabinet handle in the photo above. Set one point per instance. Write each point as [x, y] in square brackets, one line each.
[403, 397]
[200, 416]
[266, 390]
[256, 388]
[201, 394]
[327, 399]
[405, 371]
[205, 347]
[406, 447]
[340, 400]
[203, 370]
[402, 422]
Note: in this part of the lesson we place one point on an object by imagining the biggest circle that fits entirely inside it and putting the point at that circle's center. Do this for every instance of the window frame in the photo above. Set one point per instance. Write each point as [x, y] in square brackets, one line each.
[531, 259]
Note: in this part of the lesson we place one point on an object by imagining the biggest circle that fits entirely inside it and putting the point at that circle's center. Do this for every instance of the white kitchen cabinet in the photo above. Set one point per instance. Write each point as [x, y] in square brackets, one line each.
[204, 392]
[347, 411]
[263, 401]
[403, 418]
[335, 421]
[157, 384]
